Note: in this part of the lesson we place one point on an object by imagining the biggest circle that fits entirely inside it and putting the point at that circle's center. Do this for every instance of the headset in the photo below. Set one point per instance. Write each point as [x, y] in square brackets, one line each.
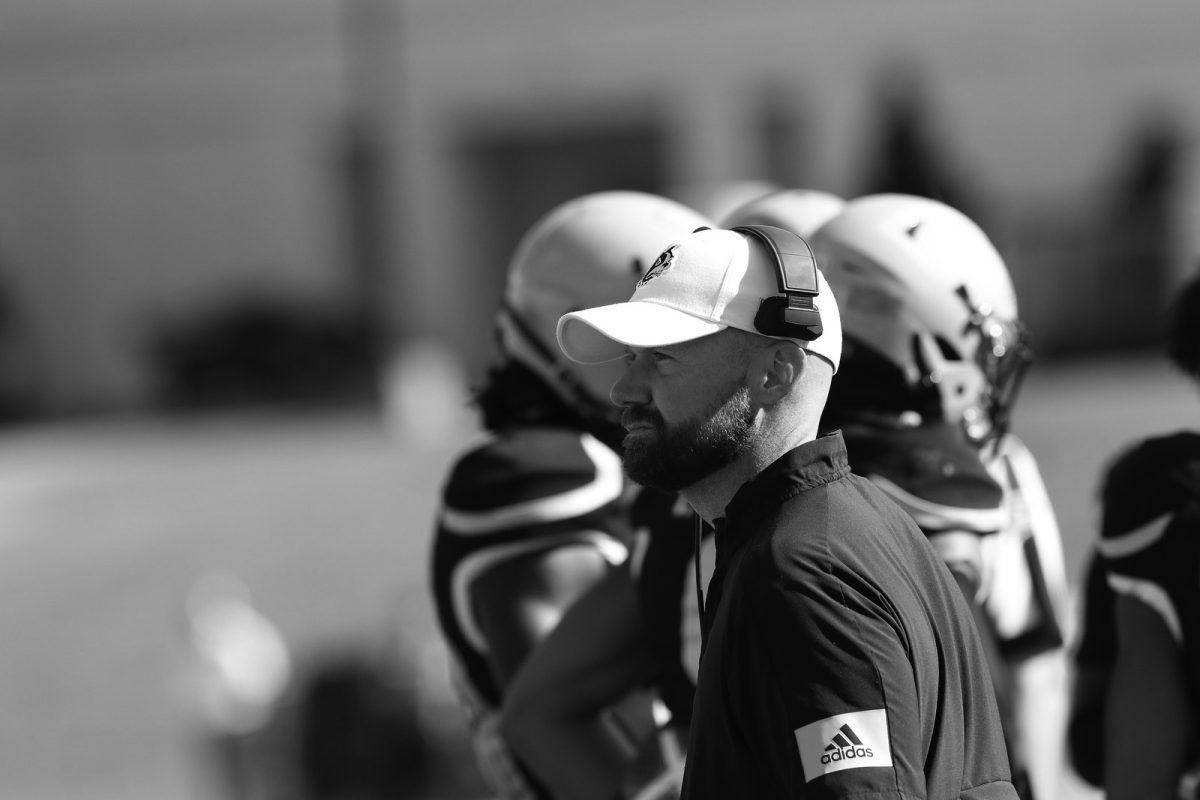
[791, 313]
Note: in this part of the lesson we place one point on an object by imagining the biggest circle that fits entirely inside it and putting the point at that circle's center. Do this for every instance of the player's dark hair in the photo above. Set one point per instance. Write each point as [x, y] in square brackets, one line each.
[1183, 337]
[513, 395]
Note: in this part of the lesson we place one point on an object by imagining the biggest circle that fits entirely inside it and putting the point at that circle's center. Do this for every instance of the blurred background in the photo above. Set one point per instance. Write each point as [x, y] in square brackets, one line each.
[249, 256]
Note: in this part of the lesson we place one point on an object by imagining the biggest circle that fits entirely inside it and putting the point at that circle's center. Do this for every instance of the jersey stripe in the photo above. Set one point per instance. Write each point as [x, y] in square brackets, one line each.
[475, 564]
[1136, 540]
[936, 516]
[604, 488]
[1152, 595]
[1025, 481]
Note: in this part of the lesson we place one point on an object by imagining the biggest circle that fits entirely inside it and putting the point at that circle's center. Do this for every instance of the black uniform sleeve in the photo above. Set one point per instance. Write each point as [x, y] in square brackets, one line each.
[836, 693]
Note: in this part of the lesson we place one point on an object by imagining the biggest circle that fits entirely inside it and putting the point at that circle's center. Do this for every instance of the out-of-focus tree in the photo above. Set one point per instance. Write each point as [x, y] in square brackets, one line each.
[1136, 224]
[910, 155]
[19, 390]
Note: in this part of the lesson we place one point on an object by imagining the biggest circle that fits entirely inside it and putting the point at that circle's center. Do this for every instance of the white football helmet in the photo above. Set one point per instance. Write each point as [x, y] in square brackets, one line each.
[925, 295]
[587, 252]
[800, 211]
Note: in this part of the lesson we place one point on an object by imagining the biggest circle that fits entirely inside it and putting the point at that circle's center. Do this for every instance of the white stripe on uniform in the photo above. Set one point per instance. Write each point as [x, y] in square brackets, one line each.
[602, 490]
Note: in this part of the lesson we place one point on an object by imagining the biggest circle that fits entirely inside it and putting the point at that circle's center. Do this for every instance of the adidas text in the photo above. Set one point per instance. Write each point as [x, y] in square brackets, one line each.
[845, 753]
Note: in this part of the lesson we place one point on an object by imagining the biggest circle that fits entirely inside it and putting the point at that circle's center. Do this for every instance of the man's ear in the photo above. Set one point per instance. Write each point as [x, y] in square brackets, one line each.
[776, 369]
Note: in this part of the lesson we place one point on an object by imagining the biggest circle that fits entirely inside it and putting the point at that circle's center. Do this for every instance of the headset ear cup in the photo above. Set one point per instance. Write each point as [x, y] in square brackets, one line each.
[801, 316]
[768, 319]
[776, 316]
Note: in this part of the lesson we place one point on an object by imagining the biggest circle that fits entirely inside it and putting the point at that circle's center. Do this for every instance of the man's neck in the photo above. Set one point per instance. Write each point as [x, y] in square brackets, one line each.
[710, 495]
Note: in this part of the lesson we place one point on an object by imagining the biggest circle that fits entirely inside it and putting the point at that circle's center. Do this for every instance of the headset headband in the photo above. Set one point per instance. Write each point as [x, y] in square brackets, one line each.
[792, 312]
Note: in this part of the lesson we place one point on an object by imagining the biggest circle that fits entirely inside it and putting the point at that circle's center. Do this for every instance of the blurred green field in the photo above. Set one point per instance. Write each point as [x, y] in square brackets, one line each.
[328, 519]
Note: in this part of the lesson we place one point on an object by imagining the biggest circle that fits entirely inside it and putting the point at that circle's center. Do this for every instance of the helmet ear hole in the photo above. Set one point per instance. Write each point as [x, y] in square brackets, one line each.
[923, 357]
[949, 351]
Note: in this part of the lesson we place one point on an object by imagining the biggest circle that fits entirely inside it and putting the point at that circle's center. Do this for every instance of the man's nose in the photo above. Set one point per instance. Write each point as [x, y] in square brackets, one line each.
[630, 388]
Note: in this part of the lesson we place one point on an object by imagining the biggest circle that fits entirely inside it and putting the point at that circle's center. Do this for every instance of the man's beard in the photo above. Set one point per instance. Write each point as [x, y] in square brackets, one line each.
[673, 458]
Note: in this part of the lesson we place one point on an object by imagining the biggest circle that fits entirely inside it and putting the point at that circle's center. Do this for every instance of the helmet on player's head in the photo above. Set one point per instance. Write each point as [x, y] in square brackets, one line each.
[587, 252]
[928, 310]
[800, 211]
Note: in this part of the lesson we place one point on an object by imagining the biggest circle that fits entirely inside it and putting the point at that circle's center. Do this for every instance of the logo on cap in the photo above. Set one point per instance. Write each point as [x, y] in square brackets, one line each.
[664, 262]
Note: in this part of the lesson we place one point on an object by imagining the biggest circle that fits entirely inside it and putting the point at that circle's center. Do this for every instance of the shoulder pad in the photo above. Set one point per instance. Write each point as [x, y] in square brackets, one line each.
[532, 475]
[1150, 479]
[932, 472]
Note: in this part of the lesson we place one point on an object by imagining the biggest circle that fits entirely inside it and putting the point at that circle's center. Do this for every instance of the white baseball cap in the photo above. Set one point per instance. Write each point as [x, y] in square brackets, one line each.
[709, 281]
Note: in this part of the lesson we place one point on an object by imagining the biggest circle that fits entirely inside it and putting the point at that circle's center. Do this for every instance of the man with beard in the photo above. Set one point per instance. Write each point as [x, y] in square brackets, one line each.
[840, 659]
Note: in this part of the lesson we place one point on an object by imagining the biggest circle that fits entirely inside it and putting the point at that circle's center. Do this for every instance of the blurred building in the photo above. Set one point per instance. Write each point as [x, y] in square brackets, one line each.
[162, 159]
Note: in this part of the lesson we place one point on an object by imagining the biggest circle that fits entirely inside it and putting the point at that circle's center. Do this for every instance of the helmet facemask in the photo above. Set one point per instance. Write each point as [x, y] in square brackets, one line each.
[975, 389]
[1003, 356]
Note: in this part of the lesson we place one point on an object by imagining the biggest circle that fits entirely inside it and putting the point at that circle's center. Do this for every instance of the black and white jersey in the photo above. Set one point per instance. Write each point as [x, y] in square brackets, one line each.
[1150, 539]
[525, 491]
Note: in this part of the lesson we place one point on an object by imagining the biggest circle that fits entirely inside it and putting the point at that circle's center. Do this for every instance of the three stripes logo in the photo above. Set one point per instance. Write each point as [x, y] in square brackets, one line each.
[844, 745]
[850, 740]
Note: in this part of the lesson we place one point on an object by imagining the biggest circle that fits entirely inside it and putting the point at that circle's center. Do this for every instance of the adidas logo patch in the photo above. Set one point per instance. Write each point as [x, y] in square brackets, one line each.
[844, 741]
[845, 744]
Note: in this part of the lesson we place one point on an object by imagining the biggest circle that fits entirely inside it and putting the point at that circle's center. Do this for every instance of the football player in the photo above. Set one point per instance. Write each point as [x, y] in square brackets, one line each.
[933, 356]
[1139, 652]
[539, 512]
[640, 625]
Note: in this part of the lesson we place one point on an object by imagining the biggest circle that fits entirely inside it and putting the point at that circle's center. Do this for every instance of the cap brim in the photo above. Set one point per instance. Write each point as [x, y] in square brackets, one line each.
[601, 334]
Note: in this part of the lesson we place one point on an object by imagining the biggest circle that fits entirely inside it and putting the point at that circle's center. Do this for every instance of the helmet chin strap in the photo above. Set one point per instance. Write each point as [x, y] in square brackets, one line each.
[519, 342]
